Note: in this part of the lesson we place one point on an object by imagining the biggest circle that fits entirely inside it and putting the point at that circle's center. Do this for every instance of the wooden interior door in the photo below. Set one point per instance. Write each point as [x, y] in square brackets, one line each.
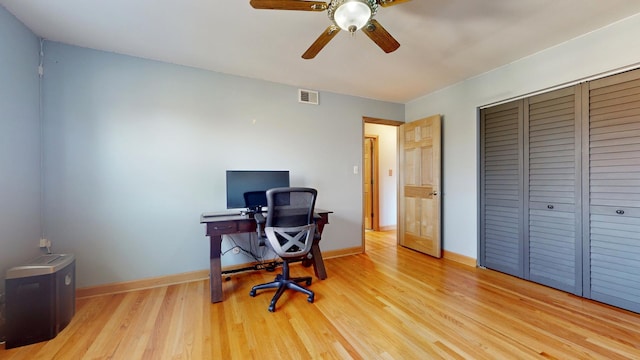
[370, 183]
[419, 209]
[367, 178]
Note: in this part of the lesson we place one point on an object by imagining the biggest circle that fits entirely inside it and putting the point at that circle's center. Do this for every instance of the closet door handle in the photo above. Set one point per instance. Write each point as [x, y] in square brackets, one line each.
[620, 212]
[550, 207]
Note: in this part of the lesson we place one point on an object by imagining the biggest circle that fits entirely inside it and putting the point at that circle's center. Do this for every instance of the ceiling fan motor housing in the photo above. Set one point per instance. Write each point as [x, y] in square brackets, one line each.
[340, 11]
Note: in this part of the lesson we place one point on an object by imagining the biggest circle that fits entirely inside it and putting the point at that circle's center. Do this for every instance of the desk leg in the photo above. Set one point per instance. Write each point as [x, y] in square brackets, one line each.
[318, 263]
[215, 273]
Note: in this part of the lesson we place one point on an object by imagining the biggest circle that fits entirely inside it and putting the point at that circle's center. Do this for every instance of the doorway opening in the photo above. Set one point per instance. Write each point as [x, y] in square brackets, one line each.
[379, 175]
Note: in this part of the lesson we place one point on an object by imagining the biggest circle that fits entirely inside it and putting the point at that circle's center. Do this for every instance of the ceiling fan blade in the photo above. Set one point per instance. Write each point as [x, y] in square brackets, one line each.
[289, 5]
[380, 36]
[320, 42]
[385, 3]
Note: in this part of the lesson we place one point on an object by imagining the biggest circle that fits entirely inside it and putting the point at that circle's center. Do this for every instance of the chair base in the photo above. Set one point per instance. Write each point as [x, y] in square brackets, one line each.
[282, 283]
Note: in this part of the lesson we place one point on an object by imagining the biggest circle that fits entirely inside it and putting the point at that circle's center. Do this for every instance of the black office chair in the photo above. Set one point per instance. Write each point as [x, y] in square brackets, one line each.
[254, 199]
[289, 229]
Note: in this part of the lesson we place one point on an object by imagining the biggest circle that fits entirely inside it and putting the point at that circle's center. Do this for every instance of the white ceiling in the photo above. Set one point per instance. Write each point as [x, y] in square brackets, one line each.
[442, 41]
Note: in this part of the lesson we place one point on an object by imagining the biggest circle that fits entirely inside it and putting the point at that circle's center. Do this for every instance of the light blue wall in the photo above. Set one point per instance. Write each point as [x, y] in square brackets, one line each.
[135, 150]
[607, 50]
[19, 144]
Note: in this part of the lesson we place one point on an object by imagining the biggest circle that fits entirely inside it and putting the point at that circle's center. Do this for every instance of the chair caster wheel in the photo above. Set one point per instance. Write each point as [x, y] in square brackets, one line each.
[310, 299]
[252, 293]
[308, 282]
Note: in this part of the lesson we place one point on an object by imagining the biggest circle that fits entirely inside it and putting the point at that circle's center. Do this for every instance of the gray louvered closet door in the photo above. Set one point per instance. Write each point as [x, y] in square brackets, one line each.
[501, 202]
[560, 189]
[612, 196]
[553, 252]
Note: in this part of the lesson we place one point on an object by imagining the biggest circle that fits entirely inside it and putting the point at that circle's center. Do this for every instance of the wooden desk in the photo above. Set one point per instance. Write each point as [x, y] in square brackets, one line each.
[236, 224]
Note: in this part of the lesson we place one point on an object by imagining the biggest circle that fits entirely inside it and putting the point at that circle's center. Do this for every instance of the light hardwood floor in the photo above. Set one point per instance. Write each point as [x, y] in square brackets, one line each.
[390, 303]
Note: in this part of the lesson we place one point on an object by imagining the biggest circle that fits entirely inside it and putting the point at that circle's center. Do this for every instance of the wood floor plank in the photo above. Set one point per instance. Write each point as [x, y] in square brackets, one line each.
[389, 303]
[139, 333]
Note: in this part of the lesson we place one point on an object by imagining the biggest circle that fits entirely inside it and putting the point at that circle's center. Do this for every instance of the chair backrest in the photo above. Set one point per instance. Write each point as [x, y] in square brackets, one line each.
[290, 206]
[290, 226]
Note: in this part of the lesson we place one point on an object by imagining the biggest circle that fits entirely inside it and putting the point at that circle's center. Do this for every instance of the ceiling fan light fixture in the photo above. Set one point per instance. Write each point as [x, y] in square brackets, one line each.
[352, 15]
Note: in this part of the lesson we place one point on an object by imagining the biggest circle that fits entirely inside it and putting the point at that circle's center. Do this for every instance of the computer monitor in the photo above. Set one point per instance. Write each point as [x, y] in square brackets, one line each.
[248, 188]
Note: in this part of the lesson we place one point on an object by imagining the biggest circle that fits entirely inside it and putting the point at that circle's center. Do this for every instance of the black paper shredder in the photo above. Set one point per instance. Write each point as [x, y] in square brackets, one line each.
[40, 299]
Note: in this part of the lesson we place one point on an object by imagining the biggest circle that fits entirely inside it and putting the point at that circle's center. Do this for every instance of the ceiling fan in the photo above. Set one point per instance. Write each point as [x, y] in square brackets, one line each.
[348, 15]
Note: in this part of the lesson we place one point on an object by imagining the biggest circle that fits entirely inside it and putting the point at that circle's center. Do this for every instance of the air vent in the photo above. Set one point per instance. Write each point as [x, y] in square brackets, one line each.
[308, 96]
